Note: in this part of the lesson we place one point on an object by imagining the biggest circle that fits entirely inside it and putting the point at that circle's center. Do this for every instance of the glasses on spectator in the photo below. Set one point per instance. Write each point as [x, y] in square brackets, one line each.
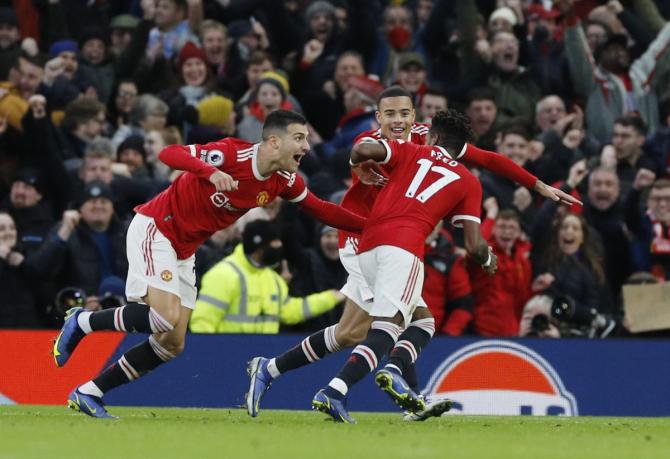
[658, 199]
[125, 94]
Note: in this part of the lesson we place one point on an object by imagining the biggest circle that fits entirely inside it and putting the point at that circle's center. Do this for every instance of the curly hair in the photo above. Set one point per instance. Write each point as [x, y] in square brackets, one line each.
[452, 129]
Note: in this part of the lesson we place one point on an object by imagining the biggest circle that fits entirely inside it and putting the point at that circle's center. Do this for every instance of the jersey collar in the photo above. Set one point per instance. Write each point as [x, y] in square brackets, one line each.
[254, 165]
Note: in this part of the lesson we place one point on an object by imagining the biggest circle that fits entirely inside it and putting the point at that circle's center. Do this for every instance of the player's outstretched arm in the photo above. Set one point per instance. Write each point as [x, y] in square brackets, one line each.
[331, 214]
[498, 164]
[186, 158]
[477, 247]
[501, 165]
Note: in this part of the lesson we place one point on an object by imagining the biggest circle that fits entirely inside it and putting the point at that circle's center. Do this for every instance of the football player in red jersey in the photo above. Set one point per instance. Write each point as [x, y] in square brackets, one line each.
[221, 182]
[426, 185]
[396, 117]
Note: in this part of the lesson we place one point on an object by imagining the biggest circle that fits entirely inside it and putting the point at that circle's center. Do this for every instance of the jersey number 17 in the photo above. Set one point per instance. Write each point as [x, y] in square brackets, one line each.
[426, 165]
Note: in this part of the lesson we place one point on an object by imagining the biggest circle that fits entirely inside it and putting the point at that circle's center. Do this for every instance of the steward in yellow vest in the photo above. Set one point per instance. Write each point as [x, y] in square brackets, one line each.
[244, 294]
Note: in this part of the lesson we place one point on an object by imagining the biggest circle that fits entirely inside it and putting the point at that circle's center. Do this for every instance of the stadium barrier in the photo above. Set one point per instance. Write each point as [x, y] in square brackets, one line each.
[513, 377]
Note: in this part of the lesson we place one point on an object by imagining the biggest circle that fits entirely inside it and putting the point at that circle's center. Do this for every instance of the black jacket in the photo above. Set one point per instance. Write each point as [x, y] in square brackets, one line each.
[76, 262]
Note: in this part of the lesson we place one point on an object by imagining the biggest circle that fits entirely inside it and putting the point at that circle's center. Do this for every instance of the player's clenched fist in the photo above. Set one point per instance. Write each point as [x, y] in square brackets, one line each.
[223, 181]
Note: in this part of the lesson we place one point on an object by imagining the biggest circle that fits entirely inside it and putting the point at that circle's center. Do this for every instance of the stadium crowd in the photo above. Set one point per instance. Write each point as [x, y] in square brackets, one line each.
[575, 91]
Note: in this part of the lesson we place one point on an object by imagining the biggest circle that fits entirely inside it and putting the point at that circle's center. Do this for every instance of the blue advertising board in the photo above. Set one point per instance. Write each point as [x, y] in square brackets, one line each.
[512, 377]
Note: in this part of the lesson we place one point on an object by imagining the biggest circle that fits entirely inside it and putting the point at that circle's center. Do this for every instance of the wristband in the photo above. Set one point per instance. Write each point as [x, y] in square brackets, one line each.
[488, 261]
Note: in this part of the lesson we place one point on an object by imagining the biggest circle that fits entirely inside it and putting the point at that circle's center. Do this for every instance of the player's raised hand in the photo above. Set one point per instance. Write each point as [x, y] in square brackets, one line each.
[555, 194]
[223, 181]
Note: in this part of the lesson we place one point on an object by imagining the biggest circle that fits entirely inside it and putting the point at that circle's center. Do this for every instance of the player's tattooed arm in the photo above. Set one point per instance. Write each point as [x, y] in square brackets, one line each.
[477, 248]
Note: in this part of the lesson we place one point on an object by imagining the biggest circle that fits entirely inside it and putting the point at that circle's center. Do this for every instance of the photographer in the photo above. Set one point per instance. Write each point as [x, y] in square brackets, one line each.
[573, 276]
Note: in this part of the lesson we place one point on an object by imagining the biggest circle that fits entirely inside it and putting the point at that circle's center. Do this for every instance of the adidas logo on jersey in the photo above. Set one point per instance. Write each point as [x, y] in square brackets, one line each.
[244, 155]
[288, 176]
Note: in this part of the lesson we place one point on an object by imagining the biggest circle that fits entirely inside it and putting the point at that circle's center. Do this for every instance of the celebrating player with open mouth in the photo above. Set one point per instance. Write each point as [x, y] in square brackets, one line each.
[223, 180]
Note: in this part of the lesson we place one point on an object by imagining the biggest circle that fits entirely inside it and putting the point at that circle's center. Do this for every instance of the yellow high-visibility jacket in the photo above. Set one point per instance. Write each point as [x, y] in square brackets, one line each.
[237, 297]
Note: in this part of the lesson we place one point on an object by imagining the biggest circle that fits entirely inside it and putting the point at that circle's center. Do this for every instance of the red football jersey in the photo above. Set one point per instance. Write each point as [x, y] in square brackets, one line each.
[360, 197]
[190, 210]
[425, 186]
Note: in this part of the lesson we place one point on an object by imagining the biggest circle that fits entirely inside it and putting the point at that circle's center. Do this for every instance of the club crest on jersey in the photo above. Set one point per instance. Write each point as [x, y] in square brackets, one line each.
[166, 276]
[262, 198]
[215, 158]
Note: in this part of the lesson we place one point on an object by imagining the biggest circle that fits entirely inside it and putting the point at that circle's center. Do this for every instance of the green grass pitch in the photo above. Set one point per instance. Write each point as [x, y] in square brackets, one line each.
[56, 432]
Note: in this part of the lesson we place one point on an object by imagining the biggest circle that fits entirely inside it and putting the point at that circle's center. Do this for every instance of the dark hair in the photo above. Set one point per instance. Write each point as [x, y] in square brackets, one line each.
[39, 60]
[79, 111]
[280, 120]
[590, 255]
[432, 91]
[661, 183]
[514, 128]
[482, 93]
[452, 129]
[509, 214]
[632, 121]
[257, 58]
[394, 91]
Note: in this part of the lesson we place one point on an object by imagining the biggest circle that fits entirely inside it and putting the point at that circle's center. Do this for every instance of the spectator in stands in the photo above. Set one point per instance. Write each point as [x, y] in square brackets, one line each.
[10, 45]
[516, 92]
[148, 113]
[616, 86]
[548, 111]
[398, 37]
[446, 287]
[243, 293]
[572, 265]
[317, 269]
[270, 95]
[30, 209]
[603, 211]
[128, 192]
[499, 299]
[482, 111]
[324, 106]
[360, 100]
[625, 152]
[19, 275]
[64, 78]
[89, 244]
[176, 23]
[513, 142]
[241, 86]
[432, 102]
[95, 59]
[650, 225]
[131, 153]
[154, 141]
[412, 74]
[248, 37]
[121, 103]
[84, 120]
[218, 112]
[31, 74]
[216, 44]
[121, 29]
[194, 83]
[324, 54]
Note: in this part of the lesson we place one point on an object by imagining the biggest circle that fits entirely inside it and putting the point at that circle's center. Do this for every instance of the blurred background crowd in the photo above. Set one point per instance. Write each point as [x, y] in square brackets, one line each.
[575, 91]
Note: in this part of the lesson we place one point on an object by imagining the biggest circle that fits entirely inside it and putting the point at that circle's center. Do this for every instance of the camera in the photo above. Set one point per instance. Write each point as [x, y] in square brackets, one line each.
[572, 320]
[68, 298]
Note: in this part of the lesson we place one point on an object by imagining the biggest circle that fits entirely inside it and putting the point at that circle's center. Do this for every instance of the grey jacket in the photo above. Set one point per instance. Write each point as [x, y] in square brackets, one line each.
[605, 92]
